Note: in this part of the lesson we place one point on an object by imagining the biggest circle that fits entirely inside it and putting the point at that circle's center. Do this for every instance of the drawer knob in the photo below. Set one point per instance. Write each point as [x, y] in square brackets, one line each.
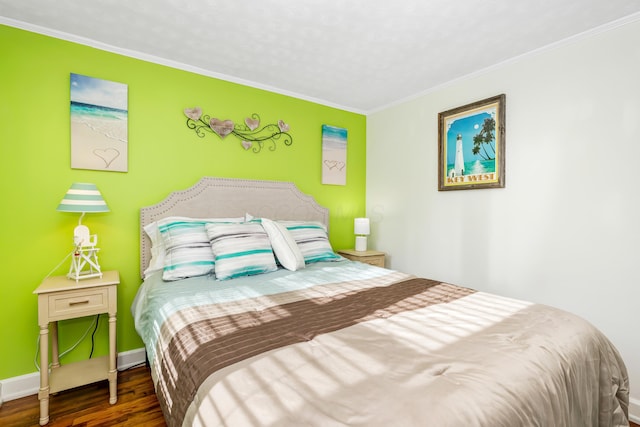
[86, 301]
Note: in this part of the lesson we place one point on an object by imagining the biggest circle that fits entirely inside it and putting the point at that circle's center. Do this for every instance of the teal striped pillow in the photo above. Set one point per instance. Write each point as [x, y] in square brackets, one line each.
[187, 252]
[240, 249]
[311, 237]
[184, 262]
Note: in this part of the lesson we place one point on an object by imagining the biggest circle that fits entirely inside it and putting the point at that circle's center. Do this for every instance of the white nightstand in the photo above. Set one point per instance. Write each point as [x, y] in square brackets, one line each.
[368, 257]
[60, 298]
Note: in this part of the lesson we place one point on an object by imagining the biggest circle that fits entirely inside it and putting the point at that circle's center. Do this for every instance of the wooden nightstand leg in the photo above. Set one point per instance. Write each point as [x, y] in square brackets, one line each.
[43, 393]
[55, 361]
[113, 372]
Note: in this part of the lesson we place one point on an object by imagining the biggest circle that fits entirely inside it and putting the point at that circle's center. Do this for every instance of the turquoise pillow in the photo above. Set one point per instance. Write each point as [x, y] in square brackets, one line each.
[240, 249]
[312, 239]
[184, 262]
[187, 251]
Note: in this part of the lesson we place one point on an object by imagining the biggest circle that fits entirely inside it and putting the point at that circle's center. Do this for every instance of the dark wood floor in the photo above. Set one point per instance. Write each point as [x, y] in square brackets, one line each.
[89, 405]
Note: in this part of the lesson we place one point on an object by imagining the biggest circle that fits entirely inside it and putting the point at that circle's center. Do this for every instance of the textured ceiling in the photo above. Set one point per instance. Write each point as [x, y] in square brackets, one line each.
[359, 55]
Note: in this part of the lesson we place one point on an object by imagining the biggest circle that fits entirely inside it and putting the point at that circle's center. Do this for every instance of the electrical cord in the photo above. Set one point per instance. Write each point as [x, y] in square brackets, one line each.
[93, 334]
[67, 351]
[58, 266]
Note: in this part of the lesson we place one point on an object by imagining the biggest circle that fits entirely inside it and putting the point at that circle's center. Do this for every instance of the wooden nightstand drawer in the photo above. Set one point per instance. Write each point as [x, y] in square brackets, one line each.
[368, 257]
[72, 304]
[377, 260]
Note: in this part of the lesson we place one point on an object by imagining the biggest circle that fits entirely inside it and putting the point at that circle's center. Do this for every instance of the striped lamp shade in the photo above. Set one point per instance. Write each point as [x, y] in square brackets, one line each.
[82, 197]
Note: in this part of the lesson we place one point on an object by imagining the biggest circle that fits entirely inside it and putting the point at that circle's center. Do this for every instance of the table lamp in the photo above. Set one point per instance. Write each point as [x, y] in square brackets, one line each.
[361, 230]
[82, 198]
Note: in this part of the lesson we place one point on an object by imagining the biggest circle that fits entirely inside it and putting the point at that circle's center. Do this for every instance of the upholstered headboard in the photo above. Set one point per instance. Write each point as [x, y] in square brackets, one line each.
[228, 197]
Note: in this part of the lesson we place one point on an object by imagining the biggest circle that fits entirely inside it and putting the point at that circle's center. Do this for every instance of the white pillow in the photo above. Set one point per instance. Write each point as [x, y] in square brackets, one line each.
[284, 245]
[156, 263]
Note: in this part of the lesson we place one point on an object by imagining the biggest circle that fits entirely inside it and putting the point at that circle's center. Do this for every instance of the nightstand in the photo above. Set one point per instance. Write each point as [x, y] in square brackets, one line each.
[60, 298]
[368, 257]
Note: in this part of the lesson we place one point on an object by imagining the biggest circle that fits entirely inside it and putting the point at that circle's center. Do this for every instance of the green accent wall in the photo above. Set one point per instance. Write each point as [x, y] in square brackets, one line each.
[164, 155]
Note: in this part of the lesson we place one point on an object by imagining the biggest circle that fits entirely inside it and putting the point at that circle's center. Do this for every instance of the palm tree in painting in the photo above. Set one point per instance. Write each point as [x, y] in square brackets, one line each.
[484, 138]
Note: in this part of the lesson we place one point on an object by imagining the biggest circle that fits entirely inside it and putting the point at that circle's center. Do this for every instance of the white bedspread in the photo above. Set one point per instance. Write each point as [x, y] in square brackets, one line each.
[478, 360]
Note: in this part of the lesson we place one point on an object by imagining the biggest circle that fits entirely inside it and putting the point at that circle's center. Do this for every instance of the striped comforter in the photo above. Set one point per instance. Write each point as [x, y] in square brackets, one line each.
[345, 343]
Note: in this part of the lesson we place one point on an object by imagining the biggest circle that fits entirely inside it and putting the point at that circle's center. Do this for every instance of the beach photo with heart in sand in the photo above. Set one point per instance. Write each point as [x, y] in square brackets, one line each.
[98, 124]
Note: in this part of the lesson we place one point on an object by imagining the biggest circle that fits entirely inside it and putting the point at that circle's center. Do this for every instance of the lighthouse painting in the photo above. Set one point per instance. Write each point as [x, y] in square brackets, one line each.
[458, 166]
[471, 146]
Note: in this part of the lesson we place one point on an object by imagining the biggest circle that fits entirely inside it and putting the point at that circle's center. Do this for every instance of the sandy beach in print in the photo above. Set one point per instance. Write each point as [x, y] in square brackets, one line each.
[98, 143]
[334, 155]
[98, 124]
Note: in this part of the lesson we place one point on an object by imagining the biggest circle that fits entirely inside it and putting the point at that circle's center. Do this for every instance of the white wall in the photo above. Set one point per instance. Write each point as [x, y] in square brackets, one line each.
[565, 231]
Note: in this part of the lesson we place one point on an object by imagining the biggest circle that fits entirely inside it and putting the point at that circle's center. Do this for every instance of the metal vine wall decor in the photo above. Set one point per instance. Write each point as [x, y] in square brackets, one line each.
[251, 134]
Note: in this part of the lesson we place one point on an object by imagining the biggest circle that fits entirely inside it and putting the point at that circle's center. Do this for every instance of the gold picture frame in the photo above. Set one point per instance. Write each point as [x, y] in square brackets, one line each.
[471, 141]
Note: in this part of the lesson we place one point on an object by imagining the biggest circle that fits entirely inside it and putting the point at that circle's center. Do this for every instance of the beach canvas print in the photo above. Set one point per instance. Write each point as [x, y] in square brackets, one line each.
[334, 155]
[98, 124]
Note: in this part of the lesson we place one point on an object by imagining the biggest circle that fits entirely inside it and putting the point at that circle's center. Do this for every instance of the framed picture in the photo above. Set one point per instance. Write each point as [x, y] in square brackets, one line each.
[471, 142]
[99, 121]
[334, 155]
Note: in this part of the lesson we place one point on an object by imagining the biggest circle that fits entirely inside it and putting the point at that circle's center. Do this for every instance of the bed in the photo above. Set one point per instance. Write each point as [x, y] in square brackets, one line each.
[319, 340]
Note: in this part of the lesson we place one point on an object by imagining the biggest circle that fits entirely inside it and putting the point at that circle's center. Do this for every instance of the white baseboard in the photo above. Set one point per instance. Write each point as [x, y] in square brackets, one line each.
[634, 410]
[131, 358]
[28, 384]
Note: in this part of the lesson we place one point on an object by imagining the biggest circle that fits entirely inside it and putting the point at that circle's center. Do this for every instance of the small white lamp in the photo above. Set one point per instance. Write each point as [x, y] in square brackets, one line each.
[361, 230]
[83, 198]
